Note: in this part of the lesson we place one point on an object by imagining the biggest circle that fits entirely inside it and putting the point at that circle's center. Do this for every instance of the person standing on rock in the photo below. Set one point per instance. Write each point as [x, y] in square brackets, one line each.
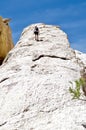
[36, 32]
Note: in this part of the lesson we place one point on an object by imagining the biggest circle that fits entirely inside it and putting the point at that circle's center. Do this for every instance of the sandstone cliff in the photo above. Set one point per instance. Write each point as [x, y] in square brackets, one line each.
[6, 43]
[34, 83]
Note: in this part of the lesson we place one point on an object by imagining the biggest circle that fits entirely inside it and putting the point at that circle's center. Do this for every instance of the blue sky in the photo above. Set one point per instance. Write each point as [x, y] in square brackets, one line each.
[70, 15]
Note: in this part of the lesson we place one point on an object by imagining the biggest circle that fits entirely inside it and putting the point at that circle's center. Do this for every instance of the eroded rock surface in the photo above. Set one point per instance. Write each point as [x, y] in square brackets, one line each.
[35, 80]
[6, 43]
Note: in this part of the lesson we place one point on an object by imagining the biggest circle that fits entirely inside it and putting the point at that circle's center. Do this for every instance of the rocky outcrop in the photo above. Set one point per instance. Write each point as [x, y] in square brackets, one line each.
[6, 43]
[34, 83]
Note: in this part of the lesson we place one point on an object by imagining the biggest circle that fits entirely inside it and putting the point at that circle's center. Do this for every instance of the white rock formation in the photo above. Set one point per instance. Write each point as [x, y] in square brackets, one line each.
[35, 80]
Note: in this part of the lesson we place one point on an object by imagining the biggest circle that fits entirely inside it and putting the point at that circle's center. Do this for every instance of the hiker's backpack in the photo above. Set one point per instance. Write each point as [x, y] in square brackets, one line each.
[36, 30]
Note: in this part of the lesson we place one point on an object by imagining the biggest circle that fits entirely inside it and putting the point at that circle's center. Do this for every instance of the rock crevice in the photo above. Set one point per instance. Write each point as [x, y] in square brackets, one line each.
[50, 56]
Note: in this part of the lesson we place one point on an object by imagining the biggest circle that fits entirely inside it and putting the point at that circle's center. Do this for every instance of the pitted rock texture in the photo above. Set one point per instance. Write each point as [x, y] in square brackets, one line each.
[34, 83]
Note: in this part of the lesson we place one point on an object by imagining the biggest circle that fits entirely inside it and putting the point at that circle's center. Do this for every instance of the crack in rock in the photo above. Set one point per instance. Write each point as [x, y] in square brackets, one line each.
[51, 56]
[4, 79]
[3, 123]
[84, 125]
[48, 111]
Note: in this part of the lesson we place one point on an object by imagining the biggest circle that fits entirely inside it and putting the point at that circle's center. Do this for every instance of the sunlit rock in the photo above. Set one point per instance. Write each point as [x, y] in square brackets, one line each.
[6, 43]
[34, 83]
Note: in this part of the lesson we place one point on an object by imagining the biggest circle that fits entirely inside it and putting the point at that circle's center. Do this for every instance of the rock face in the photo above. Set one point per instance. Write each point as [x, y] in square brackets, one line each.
[6, 43]
[34, 83]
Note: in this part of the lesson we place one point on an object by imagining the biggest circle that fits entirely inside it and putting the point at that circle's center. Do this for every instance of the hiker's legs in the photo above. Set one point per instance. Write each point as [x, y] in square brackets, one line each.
[36, 37]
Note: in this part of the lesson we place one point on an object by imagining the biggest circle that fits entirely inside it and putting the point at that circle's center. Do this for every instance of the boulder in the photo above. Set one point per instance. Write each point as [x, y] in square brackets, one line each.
[34, 83]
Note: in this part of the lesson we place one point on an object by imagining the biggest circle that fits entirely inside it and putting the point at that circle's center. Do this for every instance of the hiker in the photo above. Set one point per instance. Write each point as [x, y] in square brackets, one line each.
[36, 32]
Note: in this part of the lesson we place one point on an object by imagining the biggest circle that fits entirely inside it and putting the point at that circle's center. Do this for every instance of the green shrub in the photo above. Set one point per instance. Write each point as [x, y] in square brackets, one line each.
[76, 92]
